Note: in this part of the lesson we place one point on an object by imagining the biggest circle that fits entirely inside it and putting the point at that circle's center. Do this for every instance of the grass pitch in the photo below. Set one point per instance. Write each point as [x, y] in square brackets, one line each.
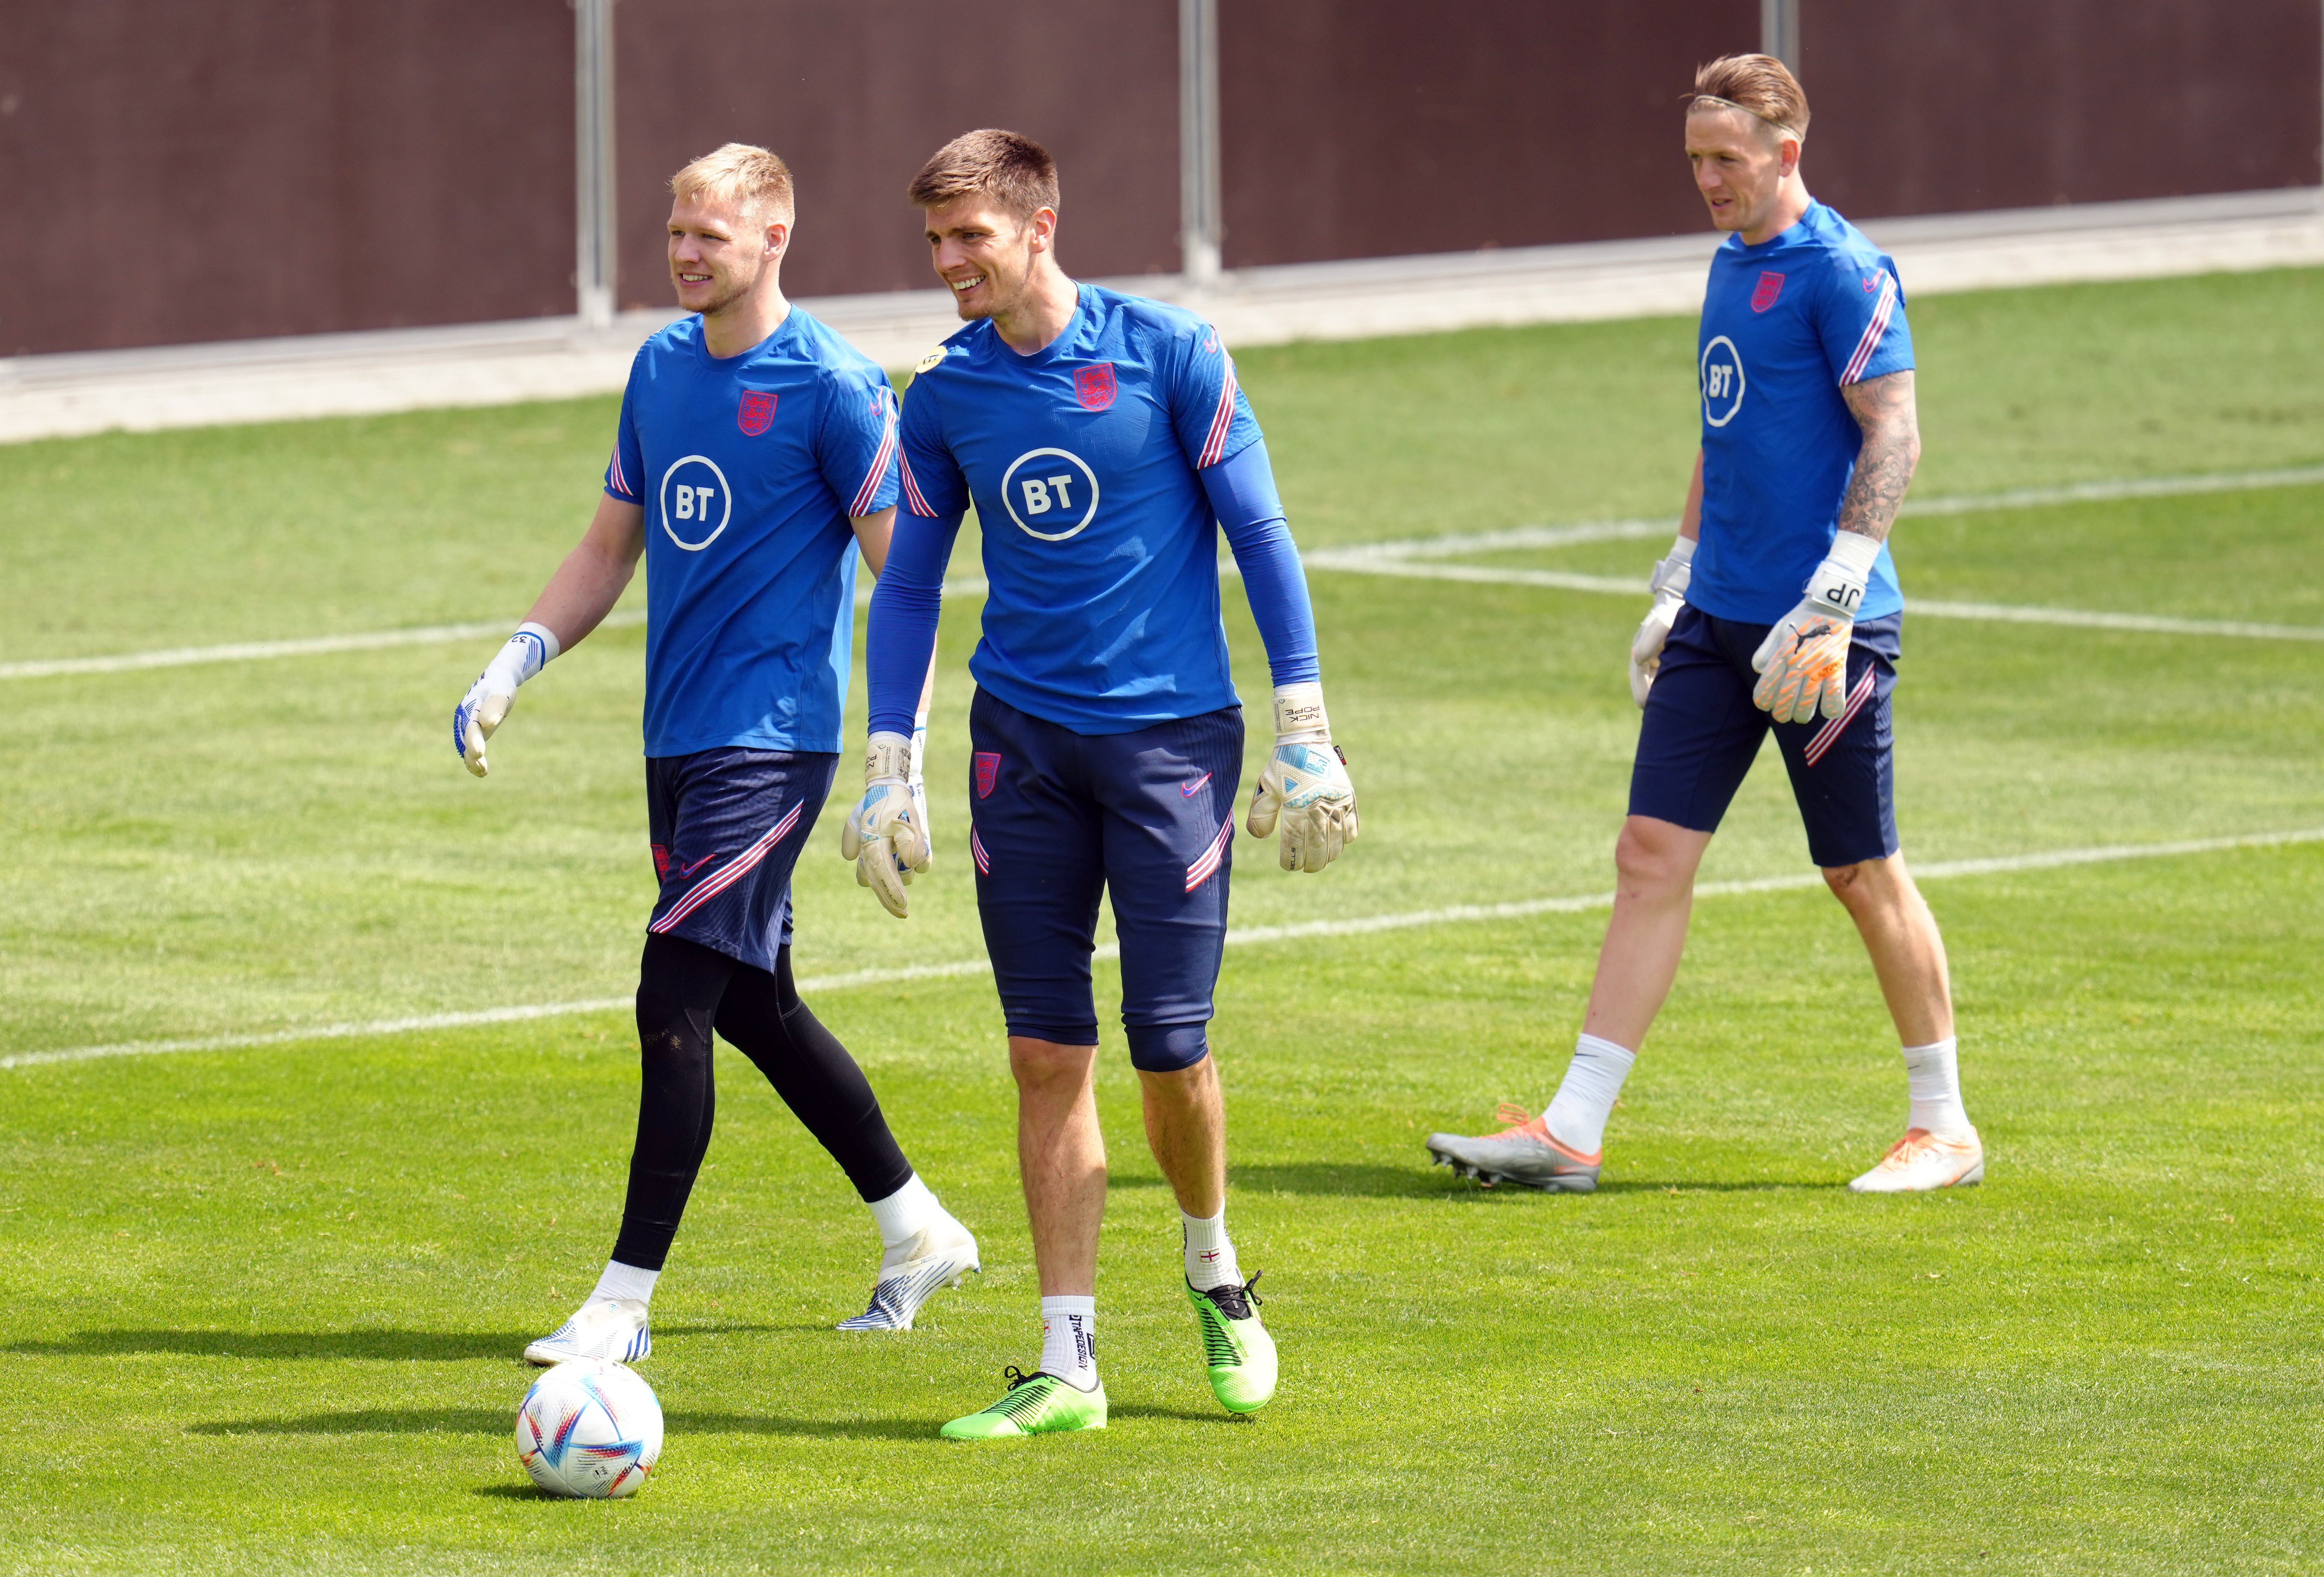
[268, 1300]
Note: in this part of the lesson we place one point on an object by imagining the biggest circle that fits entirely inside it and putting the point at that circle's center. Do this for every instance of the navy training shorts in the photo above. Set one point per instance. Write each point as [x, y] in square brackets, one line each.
[1147, 817]
[1701, 732]
[727, 826]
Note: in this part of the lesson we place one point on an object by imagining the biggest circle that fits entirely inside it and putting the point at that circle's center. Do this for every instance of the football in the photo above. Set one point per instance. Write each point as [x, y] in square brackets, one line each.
[590, 1429]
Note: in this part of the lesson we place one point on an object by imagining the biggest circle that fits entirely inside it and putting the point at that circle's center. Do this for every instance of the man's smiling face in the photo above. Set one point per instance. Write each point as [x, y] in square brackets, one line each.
[717, 251]
[985, 254]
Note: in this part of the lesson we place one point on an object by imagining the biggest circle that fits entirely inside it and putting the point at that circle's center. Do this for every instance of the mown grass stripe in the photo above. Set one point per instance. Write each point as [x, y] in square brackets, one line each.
[1248, 936]
[1393, 557]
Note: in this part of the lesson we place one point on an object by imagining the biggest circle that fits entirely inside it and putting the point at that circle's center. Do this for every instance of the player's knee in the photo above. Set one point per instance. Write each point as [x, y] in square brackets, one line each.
[1168, 1049]
[1867, 885]
[1652, 855]
[1040, 1064]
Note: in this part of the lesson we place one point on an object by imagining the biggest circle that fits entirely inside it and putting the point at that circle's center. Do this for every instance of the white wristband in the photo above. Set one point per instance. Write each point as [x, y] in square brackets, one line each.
[526, 653]
[887, 758]
[1837, 587]
[1681, 550]
[1299, 713]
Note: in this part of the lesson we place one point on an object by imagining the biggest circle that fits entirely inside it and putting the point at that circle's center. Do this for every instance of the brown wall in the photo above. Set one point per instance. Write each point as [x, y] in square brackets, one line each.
[1369, 128]
[1926, 107]
[178, 171]
[856, 96]
[174, 171]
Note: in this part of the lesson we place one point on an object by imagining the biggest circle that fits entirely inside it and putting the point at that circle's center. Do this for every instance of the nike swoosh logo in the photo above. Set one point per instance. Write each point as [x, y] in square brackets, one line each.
[1188, 790]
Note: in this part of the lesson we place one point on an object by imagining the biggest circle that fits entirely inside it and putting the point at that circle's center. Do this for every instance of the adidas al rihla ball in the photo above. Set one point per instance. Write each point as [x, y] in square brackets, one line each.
[590, 1429]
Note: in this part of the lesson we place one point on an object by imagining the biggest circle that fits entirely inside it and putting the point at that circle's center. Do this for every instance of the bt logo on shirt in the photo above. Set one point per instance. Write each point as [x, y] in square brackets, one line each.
[694, 491]
[1050, 488]
[1722, 381]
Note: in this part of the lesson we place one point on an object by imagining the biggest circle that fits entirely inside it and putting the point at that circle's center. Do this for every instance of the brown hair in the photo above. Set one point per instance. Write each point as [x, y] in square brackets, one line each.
[1012, 170]
[1757, 84]
[750, 178]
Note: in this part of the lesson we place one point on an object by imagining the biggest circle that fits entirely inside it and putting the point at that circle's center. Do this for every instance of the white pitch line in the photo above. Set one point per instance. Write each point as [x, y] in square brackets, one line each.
[1354, 563]
[1362, 556]
[2117, 488]
[1248, 936]
[252, 650]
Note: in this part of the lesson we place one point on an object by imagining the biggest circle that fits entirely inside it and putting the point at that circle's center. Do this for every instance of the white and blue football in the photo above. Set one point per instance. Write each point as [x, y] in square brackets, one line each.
[589, 1428]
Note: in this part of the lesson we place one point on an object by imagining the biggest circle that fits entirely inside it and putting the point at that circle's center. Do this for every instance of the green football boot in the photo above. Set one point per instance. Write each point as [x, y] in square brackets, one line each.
[1036, 1403]
[1236, 1346]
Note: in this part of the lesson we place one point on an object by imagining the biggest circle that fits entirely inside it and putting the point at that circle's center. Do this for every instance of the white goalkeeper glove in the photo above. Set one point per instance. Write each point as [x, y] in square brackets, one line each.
[1668, 586]
[1803, 665]
[886, 834]
[486, 705]
[1304, 783]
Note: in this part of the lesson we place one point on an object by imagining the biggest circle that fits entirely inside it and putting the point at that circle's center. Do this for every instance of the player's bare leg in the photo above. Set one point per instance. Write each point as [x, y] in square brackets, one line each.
[1655, 862]
[1186, 1129]
[1908, 954]
[1941, 1149]
[1061, 1157]
[1561, 1150]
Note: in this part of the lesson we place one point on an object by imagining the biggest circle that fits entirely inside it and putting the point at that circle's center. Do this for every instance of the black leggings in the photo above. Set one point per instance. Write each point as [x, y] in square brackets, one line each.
[685, 991]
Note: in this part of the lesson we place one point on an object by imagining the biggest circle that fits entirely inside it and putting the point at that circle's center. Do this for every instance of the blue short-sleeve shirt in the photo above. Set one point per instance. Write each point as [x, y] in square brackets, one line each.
[1787, 324]
[747, 469]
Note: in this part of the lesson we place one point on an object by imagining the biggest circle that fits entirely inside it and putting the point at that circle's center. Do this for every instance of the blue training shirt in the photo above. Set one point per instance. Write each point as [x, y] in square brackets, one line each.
[1787, 324]
[1083, 461]
[747, 469]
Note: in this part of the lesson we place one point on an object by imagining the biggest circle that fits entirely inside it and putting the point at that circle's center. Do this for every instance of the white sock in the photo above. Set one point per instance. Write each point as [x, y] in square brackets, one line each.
[1210, 1253]
[1577, 1115]
[1932, 1073]
[1069, 1341]
[624, 1281]
[906, 1213]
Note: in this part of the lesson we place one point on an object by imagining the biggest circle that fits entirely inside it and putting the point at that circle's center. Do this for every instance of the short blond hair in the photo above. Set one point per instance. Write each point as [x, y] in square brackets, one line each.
[1009, 167]
[750, 178]
[1757, 84]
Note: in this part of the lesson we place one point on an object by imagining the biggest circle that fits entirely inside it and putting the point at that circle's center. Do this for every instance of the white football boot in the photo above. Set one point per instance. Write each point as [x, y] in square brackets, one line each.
[1921, 1161]
[912, 1272]
[615, 1331]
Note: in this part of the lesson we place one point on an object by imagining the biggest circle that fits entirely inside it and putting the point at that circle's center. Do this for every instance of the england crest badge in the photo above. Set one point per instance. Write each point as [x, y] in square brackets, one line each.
[757, 412]
[988, 772]
[1771, 285]
[1094, 385]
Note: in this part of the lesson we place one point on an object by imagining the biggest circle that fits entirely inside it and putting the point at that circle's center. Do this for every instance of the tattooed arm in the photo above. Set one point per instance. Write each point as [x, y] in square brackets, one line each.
[1882, 407]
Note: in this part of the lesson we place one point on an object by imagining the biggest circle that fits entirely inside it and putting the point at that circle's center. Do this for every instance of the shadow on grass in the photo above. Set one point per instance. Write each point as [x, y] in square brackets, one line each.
[1357, 1180]
[446, 1346]
[1347, 1179]
[502, 1421]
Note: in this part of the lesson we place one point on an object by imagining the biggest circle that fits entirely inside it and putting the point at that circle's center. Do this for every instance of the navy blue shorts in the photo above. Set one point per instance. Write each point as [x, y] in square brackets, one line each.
[1148, 816]
[1701, 732]
[727, 826]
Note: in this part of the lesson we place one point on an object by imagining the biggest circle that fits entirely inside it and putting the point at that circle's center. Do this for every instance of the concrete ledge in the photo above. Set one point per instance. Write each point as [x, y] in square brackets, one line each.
[553, 358]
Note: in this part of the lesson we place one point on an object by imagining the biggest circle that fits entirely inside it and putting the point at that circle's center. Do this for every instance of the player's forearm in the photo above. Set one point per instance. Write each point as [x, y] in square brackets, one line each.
[594, 576]
[1690, 519]
[1883, 409]
[905, 608]
[1242, 496]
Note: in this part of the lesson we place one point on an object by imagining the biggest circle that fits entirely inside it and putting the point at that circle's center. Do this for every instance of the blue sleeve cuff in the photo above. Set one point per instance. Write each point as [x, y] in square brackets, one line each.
[1242, 495]
[905, 608]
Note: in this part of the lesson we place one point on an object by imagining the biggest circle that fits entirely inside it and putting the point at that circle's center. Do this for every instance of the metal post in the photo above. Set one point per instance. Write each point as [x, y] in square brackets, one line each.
[592, 143]
[1779, 31]
[1201, 223]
